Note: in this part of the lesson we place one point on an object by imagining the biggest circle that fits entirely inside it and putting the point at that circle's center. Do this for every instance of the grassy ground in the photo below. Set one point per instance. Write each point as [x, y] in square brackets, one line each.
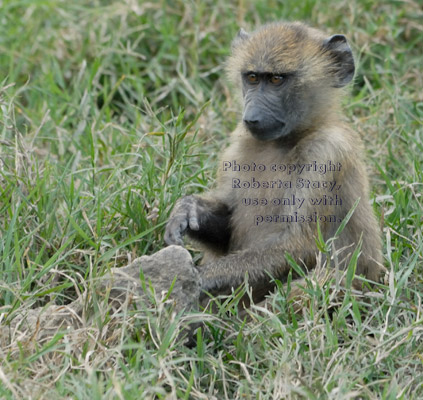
[97, 141]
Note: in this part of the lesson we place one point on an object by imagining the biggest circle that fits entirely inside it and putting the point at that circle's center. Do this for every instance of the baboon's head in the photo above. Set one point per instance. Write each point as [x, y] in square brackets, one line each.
[290, 77]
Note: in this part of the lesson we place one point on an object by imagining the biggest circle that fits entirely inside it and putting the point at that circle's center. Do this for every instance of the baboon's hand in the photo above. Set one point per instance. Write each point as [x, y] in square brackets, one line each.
[185, 215]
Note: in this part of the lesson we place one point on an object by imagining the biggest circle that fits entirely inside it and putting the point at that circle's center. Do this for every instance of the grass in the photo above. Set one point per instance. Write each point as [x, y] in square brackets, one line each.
[109, 112]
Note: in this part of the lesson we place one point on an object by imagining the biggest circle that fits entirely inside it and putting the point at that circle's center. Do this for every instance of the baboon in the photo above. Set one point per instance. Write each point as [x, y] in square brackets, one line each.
[293, 163]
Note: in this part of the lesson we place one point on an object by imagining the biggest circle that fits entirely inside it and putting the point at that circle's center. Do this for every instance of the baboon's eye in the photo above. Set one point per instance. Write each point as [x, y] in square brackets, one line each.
[252, 78]
[276, 79]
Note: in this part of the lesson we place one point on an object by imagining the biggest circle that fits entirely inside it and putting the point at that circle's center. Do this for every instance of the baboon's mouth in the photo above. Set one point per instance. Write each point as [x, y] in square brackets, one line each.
[266, 133]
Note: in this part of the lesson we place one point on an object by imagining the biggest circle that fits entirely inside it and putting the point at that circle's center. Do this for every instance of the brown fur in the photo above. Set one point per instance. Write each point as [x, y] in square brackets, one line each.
[321, 136]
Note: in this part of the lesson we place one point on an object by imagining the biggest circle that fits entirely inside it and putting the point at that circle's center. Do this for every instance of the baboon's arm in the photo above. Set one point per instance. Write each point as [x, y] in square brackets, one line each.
[260, 264]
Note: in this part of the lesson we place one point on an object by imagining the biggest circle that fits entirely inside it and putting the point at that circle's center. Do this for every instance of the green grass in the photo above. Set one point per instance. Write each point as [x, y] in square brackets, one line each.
[109, 112]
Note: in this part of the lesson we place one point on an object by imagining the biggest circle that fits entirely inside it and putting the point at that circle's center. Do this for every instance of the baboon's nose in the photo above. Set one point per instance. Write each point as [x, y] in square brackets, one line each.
[252, 118]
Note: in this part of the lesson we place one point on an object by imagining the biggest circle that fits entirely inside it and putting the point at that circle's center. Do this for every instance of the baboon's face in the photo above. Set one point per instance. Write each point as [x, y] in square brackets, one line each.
[288, 73]
[273, 104]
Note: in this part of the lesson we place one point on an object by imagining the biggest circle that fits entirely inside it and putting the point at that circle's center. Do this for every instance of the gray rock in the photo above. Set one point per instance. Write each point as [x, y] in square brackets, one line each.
[172, 265]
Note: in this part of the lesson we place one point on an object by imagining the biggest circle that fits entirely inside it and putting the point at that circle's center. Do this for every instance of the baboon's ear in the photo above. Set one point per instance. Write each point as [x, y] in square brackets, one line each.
[342, 59]
[239, 38]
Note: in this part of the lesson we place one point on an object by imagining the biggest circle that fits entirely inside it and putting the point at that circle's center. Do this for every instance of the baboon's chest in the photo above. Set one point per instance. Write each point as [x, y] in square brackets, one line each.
[262, 189]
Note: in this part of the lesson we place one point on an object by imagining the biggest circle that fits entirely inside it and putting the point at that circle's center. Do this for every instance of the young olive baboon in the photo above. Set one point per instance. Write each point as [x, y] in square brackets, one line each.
[292, 161]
